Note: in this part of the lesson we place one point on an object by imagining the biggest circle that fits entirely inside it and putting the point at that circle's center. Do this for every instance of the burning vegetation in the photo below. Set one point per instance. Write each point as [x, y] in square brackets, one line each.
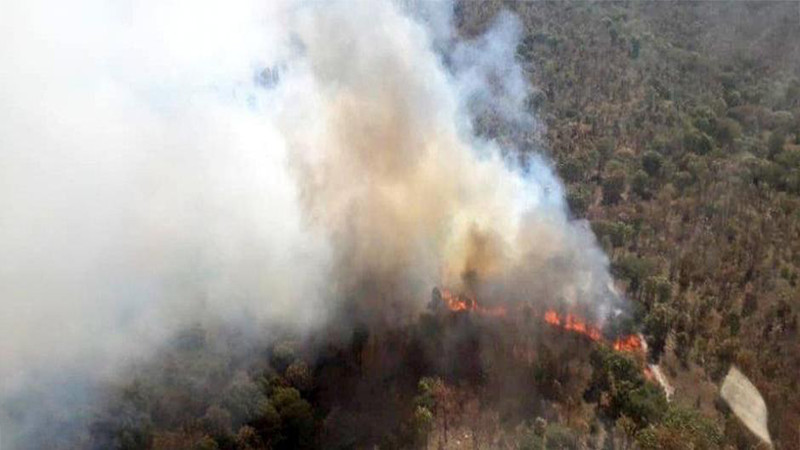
[571, 322]
[457, 375]
[281, 272]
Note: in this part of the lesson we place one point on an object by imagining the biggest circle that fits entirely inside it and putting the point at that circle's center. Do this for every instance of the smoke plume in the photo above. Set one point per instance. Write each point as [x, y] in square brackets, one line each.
[172, 162]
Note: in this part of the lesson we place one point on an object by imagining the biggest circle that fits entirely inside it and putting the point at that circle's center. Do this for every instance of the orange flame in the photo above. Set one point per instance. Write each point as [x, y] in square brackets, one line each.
[455, 302]
[570, 322]
[630, 343]
[573, 323]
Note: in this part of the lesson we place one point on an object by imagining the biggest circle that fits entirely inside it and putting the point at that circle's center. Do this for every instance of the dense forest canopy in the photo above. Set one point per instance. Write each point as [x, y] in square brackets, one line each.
[674, 129]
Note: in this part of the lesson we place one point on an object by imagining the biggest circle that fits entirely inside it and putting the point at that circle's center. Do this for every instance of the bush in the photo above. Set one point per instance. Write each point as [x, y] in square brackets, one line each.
[618, 233]
[578, 199]
[697, 142]
[680, 429]
[613, 187]
[641, 185]
[297, 418]
[619, 388]
[657, 325]
[652, 163]
[727, 130]
[633, 269]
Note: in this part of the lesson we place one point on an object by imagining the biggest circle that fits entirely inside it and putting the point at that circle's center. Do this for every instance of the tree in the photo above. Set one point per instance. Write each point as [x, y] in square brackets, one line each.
[437, 397]
[641, 184]
[247, 439]
[299, 376]
[726, 130]
[422, 425]
[619, 388]
[657, 325]
[634, 269]
[657, 289]
[636, 45]
[681, 429]
[183, 440]
[697, 141]
[217, 422]
[613, 187]
[282, 355]
[652, 163]
[297, 419]
[578, 199]
[775, 143]
[605, 148]
[242, 398]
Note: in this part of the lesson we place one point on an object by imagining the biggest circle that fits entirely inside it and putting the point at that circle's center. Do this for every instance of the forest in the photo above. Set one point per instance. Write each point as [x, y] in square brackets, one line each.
[677, 133]
[674, 128]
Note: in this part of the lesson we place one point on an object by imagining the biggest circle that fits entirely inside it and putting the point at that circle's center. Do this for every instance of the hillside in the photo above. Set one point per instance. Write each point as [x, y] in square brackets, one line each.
[487, 225]
[677, 131]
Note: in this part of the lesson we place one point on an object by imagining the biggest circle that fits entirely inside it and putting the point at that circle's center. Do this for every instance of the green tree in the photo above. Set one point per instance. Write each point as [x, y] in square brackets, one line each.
[217, 422]
[775, 143]
[642, 185]
[726, 130]
[652, 163]
[297, 419]
[619, 388]
[282, 355]
[241, 398]
[298, 375]
[613, 187]
[657, 325]
[422, 425]
[697, 141]
[681, 429]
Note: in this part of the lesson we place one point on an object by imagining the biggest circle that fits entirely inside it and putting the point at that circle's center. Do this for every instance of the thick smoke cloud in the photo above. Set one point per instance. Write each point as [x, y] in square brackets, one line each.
[172, 162]
[393, 173]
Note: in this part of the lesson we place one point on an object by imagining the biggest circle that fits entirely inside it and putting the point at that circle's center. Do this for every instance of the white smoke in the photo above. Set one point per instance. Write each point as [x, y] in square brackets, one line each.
[153, 174]
[140, 192]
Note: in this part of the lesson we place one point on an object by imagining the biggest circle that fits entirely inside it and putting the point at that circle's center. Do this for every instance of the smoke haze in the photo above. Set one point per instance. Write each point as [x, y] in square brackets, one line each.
[169, 163]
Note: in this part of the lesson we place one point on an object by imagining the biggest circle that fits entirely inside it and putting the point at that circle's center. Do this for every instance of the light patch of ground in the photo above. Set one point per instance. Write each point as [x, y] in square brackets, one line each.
[669, 390]
[746, 402]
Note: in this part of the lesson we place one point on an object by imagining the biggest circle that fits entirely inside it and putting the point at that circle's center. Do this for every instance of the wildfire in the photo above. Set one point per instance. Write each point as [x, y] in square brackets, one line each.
[574, 323]
[455, 302]
[571, 322]
[551, 317]
[630, 343]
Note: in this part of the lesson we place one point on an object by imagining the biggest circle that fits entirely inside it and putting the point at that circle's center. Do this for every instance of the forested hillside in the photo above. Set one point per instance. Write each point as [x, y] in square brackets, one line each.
[675, 129]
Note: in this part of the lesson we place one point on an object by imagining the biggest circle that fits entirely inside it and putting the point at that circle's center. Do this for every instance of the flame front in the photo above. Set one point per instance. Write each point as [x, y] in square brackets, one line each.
[630, 343]
[571, 322]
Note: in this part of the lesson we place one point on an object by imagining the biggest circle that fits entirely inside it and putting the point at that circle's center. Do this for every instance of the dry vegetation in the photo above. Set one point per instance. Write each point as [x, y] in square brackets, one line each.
[676, 130]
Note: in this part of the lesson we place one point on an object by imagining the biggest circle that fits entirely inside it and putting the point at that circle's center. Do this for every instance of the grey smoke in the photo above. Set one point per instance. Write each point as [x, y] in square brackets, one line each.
[149, 180]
